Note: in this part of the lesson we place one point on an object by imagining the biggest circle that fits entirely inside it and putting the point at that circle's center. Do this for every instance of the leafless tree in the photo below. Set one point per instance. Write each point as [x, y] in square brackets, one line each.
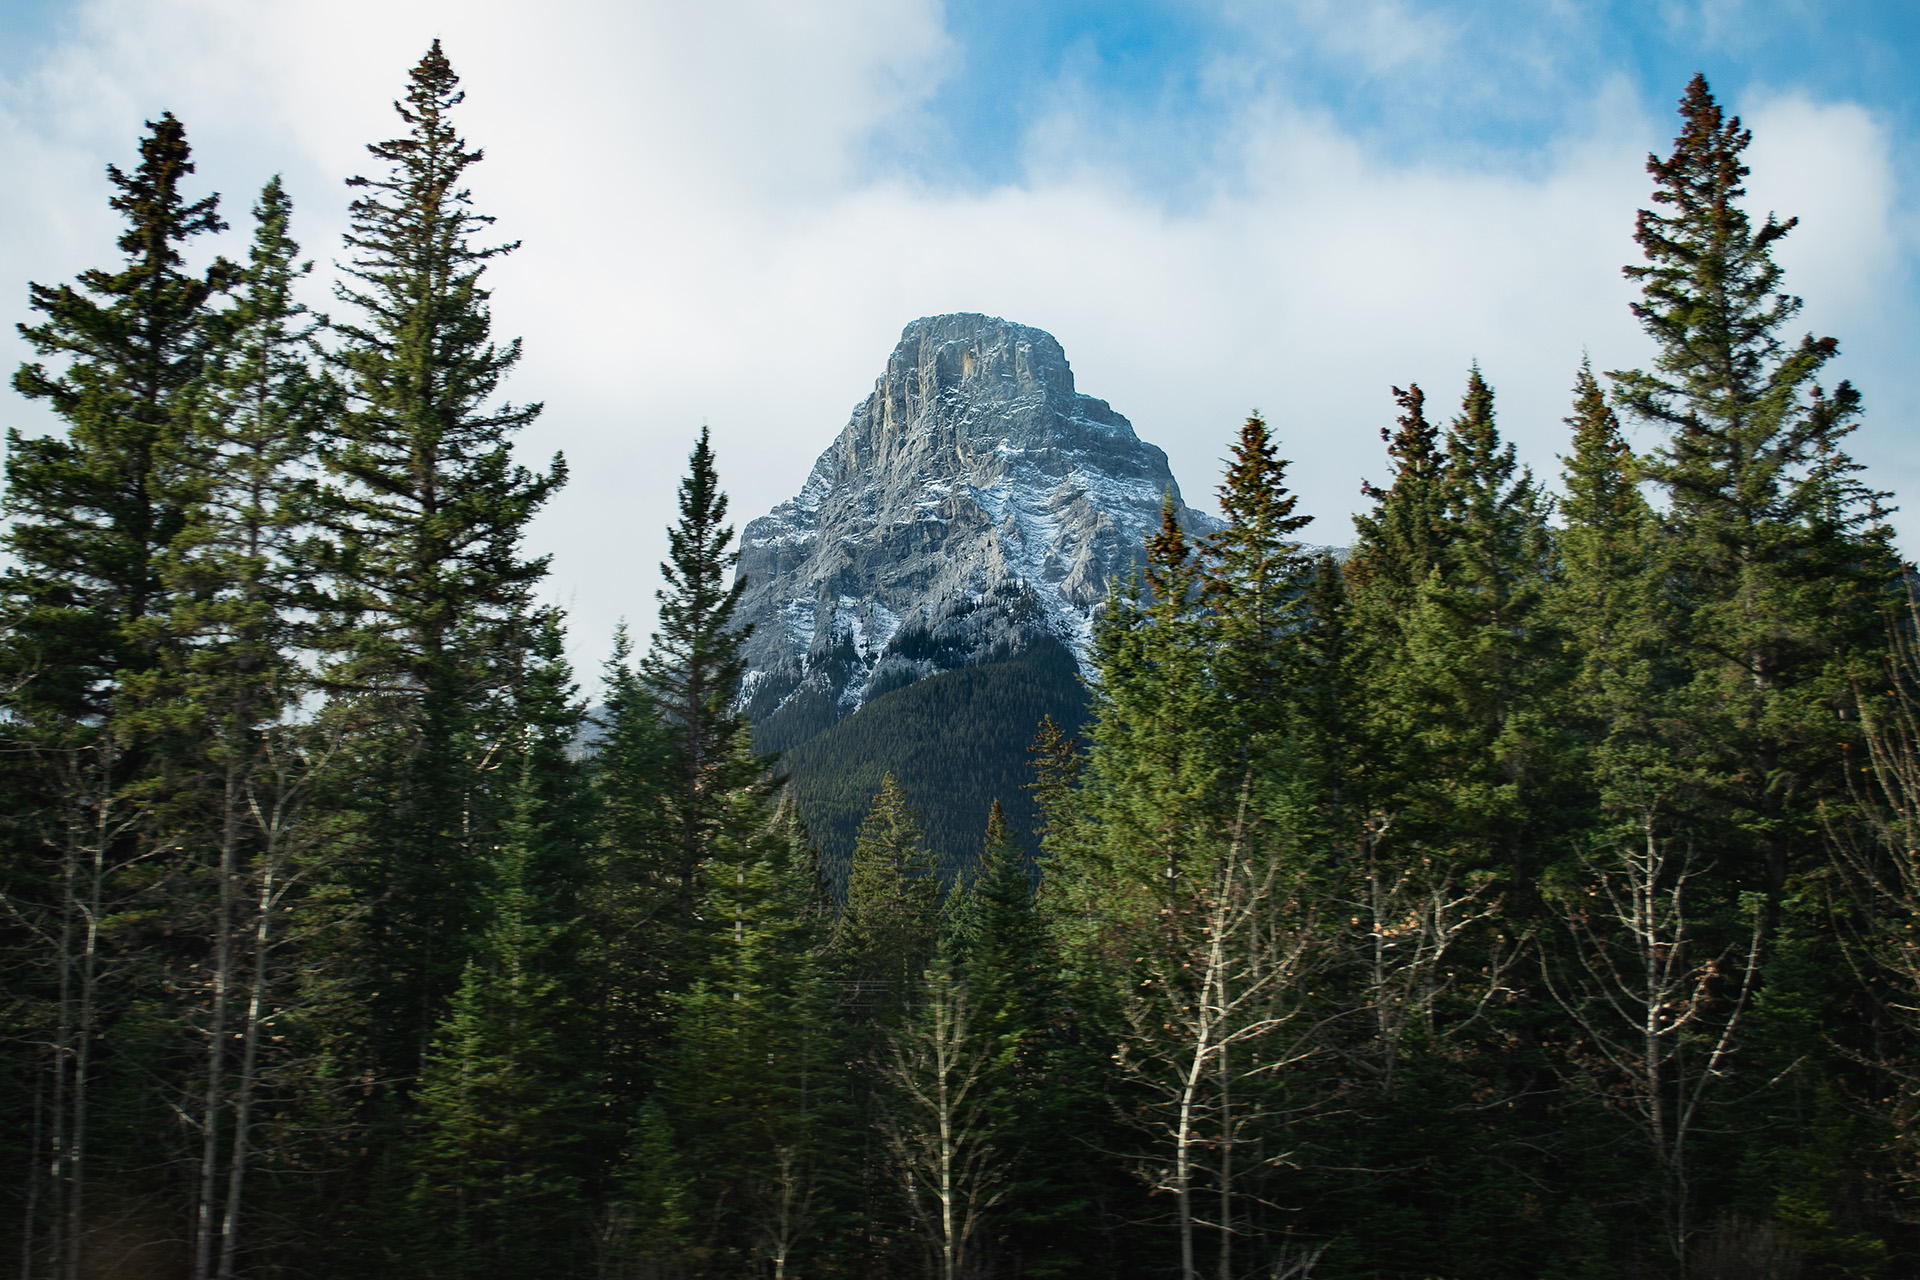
[1660, 1010]
[785, 1209]
[1411, 916]
[93, 835]
[1214, 1007]
[934, 1123]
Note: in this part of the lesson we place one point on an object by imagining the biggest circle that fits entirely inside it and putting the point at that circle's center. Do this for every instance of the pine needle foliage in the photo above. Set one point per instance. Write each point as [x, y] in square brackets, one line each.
[694, 667]
[92, 513]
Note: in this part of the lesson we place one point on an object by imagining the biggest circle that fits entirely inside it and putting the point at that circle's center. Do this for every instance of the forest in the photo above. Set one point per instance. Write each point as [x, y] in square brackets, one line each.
[1532, 890]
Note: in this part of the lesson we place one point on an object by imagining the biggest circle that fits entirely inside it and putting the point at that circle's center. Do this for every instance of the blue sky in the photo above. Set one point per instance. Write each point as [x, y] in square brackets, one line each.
[729, 210]
[1494, 83]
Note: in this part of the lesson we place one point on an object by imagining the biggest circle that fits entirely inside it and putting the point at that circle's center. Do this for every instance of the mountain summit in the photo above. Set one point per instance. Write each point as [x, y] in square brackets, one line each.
[975, 506]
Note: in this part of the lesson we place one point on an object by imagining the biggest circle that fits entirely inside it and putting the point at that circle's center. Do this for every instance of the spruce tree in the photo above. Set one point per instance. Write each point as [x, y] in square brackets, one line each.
[1163, 769]
[92, 513]
[885, 935]
[232, 677]
[756, 1066]
[1397, 547]
[637, 883]
[431, 597]
[1779, 553]
[83, 601]
[694, 668]
[1397, 543]
[1472, 701]
[1255, 583]
[508, 1116]
[1037, 1098]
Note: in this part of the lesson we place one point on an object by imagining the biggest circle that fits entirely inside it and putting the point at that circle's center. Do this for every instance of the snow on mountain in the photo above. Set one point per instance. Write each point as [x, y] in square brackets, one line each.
[975, 503]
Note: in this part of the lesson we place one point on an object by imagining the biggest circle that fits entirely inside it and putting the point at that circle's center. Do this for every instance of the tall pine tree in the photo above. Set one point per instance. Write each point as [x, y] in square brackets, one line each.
[431, 595]
[1779, 553]
[84, 600]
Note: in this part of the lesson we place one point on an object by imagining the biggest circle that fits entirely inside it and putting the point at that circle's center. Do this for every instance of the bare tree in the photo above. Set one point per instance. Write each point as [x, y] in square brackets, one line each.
[1878, 844]
[1413, 915]
[1216, 1006]
[934, 1122]
[92, 833]
[786, 1209]
[1660, 1010]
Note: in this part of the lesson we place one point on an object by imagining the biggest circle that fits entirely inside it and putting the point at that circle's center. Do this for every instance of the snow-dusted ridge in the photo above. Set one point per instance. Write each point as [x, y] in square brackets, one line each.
[975, 503]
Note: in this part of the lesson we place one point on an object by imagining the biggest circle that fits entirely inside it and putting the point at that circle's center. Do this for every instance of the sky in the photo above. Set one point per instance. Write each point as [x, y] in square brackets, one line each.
[728, 211]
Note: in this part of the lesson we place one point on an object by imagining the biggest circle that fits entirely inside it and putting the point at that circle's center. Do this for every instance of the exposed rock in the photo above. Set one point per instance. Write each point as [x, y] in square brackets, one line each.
[975, 502]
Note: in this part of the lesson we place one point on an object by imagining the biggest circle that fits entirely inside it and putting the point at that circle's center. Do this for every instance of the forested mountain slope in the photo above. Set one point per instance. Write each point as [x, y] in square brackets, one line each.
[956, 742]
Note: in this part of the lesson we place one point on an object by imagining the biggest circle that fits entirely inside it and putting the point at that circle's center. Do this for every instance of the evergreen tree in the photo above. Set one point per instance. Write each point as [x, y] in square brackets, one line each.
[1607, 594]
[508, 1116]
[1397, 544]
[92, 513]
[637, 880]
[231, 680]
[1779, 553]
[1397, 547]
[885, 935]
[1255, 582]
[1038, 1101]
[1471, 702]
[757, 1068]
[83, 599]
[1163, 770]
[694, 669]
[431, 595]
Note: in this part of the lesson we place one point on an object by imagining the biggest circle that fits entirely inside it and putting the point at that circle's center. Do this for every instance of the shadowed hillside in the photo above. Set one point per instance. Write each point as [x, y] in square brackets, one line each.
[955, 742]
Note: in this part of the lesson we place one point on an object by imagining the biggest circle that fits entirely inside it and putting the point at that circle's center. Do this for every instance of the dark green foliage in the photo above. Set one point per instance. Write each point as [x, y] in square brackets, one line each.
[86, 609]
[1779, 559]
[694, 668]
[885, 933]
[507, 1114]
[430, 597]
[955, 743]
[92, 512]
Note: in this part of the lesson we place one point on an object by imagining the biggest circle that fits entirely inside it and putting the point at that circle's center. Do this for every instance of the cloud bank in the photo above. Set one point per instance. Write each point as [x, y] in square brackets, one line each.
[717, 227]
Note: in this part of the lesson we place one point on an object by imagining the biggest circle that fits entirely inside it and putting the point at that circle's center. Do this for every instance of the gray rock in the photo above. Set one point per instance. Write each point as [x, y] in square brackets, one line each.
[974, 503]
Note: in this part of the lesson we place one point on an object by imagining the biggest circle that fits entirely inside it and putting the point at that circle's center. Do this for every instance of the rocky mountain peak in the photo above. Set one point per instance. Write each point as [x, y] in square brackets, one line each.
[975, 504]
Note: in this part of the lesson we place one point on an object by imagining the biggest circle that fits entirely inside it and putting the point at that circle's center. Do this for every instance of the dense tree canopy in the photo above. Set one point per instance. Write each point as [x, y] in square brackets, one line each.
[1527, 889]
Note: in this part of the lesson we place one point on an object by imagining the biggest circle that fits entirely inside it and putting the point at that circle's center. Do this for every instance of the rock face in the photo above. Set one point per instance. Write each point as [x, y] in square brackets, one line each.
[975, 505]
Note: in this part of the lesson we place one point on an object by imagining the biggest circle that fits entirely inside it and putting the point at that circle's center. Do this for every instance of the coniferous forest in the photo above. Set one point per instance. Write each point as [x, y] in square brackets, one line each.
[1531, 891]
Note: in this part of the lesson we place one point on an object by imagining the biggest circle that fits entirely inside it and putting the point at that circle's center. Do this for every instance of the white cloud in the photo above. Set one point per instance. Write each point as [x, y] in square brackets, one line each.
[705, 239]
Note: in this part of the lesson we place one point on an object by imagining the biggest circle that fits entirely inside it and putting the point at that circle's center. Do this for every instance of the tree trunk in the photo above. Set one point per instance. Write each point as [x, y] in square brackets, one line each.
[85, 1020]
[213, 1102]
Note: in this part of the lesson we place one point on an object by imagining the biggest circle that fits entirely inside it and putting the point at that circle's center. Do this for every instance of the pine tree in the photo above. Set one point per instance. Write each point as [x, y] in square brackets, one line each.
[91, 514]
[1608, 553]
[885, 935]
[1163, 771]
[232, 678]
[1472, 699]
[756, 1068]
[508, 1115]
[1779, 553]
[637, 882]
[1255, 581]
[431, 596]
[1397, 548]
[1398, 543]
[1037, 1100]
[695, 666]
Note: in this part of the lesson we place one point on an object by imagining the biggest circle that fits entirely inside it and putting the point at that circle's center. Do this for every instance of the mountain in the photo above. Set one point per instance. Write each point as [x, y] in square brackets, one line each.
[975, 505]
